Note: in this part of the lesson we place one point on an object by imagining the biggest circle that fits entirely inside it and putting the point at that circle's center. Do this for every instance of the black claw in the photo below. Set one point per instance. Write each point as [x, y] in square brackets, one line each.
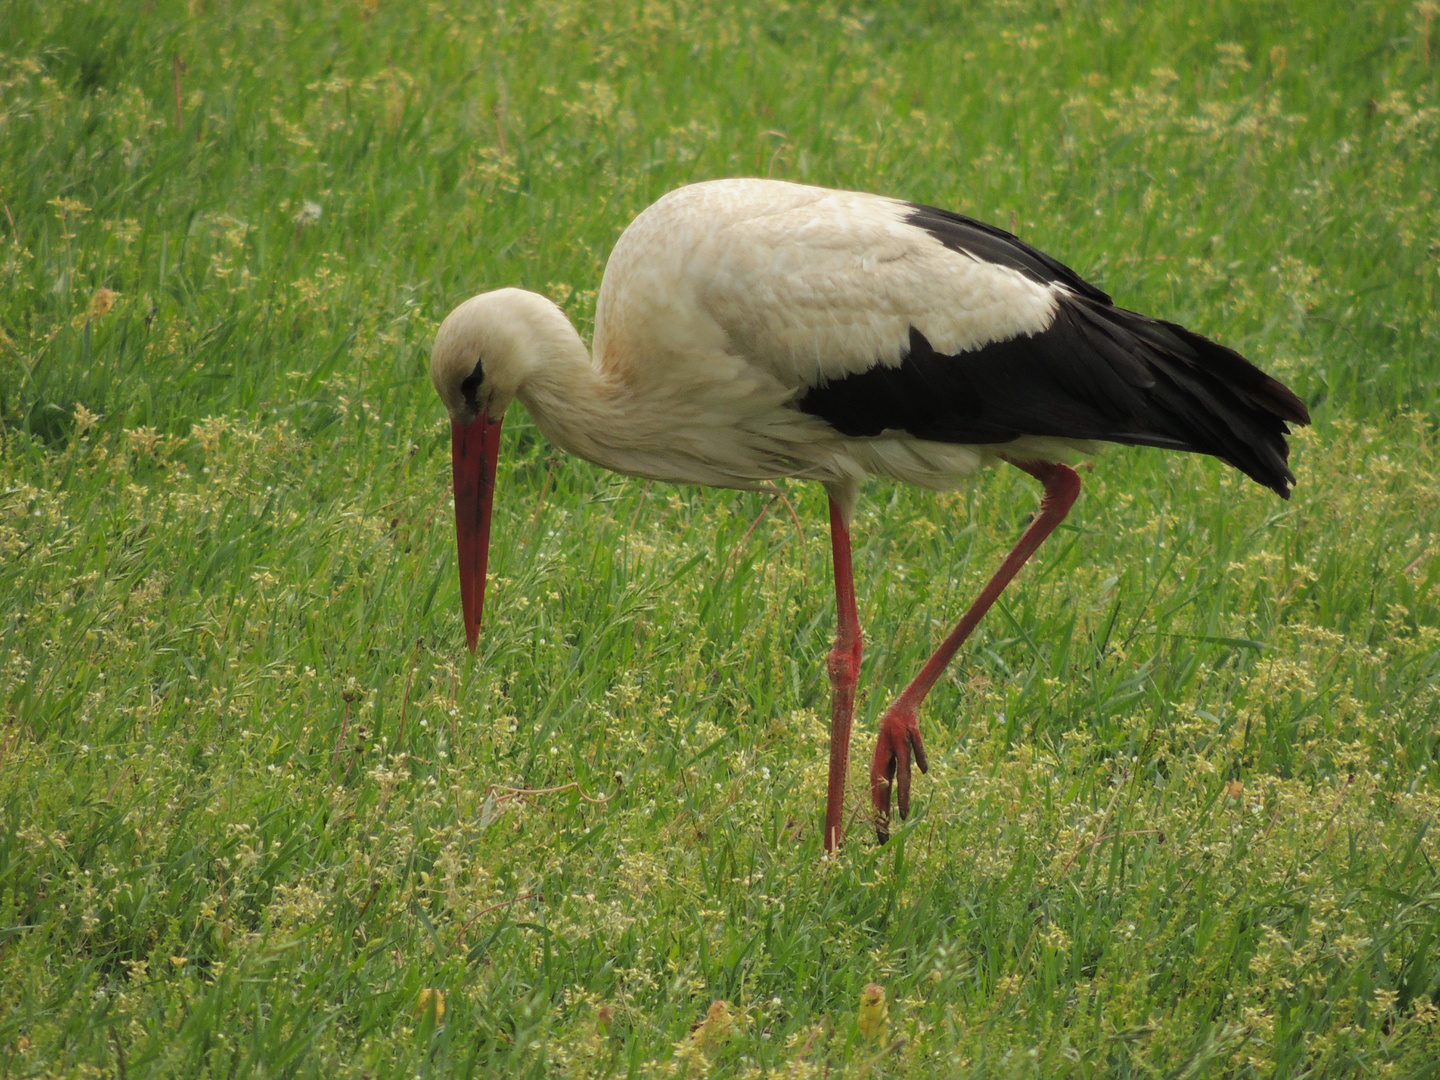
[920, 758]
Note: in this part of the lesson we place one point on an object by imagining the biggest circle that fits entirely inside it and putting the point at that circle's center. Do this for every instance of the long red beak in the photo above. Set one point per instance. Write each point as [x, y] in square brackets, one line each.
[474, 449]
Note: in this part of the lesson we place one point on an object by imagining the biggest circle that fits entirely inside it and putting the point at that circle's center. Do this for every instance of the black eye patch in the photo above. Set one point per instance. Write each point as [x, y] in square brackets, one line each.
[470, 387]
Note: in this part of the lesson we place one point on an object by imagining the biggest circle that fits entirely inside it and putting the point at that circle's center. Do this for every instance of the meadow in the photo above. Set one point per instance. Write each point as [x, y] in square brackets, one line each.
[261, 814]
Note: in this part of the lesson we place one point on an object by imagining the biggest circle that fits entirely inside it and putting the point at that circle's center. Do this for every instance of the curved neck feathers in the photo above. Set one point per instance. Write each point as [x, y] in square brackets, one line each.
[572, 403]
[703, 422]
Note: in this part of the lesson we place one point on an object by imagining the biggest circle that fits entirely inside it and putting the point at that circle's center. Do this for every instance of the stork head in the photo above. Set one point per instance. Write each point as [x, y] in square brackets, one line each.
[484, 349]
[482, 353]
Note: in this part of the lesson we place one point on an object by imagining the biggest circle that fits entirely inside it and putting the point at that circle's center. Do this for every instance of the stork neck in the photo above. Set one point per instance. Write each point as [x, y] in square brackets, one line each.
[572, 402]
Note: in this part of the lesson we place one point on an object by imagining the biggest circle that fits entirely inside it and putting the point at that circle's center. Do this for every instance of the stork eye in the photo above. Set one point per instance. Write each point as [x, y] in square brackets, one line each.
[470, 387]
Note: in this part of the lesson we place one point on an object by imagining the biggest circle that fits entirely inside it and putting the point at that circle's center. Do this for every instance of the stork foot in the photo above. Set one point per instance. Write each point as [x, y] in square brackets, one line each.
[899, 738]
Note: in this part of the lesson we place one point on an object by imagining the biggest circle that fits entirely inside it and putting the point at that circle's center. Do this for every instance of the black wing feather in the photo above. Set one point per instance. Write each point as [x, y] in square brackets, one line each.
[986, 243]
[1098, 372]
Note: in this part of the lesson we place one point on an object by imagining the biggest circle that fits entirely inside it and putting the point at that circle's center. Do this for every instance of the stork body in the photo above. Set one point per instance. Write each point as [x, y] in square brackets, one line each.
[748, 330]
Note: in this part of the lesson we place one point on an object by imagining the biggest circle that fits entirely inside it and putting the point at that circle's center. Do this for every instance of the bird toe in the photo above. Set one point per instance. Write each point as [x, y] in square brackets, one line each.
[897, 745]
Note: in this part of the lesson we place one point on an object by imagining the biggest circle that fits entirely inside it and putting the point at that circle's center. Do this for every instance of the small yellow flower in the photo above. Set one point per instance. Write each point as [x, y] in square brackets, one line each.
[430, 1001]
[101, 303]
[715, 1028]
[66, 207]
[874, 1012]
[84, 420]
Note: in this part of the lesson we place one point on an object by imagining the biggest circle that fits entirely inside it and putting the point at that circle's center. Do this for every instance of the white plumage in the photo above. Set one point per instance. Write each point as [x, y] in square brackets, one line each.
[802, 282]
[722, 302]
[748, 330]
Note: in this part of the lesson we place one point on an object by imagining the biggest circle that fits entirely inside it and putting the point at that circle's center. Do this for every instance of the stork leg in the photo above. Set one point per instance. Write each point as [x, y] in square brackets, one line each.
[844, 666]
[899, 727]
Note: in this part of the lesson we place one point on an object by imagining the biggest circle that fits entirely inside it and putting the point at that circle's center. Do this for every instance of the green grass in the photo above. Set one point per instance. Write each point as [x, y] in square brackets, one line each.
[254, 795]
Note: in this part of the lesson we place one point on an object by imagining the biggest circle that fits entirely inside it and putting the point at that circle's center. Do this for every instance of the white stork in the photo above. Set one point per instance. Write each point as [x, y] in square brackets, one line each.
[751, 329]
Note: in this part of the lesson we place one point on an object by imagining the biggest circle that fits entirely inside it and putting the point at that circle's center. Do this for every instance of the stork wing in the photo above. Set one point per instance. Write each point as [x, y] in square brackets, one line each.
[817, 285]
[890, 318]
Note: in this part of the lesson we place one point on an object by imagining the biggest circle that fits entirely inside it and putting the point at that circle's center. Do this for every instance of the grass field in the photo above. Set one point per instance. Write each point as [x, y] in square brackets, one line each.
[257, 804]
